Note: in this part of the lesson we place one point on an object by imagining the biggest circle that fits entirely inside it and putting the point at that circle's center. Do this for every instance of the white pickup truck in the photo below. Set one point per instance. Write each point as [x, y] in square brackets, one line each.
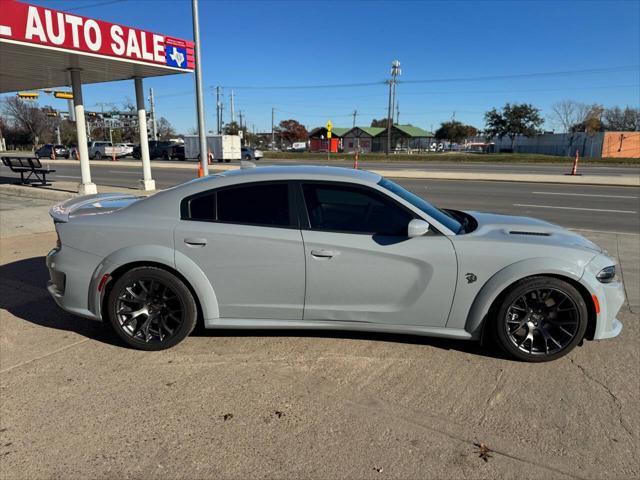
[100, 149]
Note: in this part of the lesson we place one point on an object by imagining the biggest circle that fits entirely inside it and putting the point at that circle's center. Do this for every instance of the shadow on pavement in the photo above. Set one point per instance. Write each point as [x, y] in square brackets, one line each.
[24, 295]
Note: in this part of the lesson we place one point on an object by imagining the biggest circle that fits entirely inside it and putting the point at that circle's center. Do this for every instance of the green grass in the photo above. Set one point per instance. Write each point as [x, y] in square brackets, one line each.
[454, 157]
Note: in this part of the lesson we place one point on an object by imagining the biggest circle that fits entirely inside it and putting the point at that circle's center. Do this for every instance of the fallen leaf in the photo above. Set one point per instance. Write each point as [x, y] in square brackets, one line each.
[483, 451]
[227, 416]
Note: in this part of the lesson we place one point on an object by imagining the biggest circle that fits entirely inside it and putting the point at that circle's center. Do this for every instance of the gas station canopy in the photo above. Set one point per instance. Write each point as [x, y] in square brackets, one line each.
[40, 46]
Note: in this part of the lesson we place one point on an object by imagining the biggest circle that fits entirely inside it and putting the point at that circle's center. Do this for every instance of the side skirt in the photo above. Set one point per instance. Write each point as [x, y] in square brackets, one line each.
[271, 324]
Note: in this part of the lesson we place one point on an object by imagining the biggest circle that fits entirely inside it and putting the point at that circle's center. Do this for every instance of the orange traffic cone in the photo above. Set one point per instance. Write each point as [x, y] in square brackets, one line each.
[209, 158]
[200, 170]
[574, 169]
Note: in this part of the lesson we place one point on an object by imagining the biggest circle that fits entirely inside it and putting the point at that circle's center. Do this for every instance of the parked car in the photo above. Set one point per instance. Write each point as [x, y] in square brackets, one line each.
[127, 148]
[164, 149]
[249, 153]
[47, 151]
[327, 248]
[102, 149]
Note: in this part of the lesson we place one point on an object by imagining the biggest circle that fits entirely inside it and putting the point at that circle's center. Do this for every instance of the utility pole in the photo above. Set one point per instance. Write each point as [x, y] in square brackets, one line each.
[152, 108]
[202, 130]
[395, 71]
[355, 113]
[273, 136]
[233, 113]
[397, 113]
[218, 111]
[241, 119]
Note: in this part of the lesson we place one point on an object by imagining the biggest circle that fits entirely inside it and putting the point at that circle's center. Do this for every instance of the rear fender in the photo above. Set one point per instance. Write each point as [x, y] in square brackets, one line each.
[159, 255]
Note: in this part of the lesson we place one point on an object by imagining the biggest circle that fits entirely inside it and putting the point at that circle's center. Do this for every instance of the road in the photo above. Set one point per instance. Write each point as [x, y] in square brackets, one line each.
[614, 170]
[611, 209]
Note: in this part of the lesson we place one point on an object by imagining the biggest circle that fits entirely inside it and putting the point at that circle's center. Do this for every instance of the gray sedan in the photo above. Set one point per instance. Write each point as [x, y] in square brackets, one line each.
[327, 248]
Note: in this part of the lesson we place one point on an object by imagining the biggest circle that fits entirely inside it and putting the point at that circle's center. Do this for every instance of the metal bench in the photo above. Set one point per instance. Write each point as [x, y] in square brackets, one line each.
[30, 166]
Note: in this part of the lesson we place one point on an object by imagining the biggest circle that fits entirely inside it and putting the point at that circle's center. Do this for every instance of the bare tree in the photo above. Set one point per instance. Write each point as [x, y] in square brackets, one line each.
[567, 113]
[165, 129]
[29, 118]
[619, 120]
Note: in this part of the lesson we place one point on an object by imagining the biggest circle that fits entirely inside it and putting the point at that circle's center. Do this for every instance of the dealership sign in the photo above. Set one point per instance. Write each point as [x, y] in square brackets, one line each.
[20, 22]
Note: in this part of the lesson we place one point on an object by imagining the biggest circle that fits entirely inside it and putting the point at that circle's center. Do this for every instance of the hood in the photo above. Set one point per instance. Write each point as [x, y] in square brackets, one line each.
[529, 229]
[91, 205]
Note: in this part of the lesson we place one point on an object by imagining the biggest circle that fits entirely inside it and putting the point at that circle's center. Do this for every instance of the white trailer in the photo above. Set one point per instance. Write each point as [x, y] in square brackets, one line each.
[224, 148]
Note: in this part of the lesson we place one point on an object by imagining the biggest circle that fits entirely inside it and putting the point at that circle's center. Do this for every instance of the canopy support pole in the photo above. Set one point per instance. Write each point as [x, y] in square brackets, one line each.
[86, 187]
[147, 183]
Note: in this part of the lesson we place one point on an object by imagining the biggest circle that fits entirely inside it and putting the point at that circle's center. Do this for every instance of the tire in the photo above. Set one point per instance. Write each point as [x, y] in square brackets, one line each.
[227, 160]
[156, 290]
[247, 157]
[97, 156]
[530, 325]
[66, 157]
[165, 156]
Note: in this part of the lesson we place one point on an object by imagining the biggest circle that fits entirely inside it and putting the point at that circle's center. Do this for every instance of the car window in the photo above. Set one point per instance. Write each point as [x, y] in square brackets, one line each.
[354, 209]
[203, 207]
[256, 204]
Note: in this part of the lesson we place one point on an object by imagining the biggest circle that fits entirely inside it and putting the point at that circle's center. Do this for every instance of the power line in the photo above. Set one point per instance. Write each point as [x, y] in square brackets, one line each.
[89, 5]
[528, 75]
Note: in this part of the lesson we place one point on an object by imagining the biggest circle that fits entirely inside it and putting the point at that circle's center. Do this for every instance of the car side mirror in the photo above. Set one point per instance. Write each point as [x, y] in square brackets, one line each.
[417, 228]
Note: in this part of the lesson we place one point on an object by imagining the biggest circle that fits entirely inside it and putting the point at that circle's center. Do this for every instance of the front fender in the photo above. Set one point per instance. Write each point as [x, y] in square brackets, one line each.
[160, 255]
[508, 276]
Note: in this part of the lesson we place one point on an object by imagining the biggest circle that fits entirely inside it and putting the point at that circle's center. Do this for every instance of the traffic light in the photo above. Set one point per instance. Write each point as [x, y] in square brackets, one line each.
[65, 95]
[28, 95]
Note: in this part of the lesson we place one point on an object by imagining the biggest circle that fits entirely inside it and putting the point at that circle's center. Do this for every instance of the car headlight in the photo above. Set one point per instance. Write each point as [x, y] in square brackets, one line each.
[607, 274]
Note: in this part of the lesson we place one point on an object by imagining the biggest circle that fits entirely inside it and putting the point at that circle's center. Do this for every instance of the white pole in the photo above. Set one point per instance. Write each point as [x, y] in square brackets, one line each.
[147, 183]
[204, 160]
[86, 187]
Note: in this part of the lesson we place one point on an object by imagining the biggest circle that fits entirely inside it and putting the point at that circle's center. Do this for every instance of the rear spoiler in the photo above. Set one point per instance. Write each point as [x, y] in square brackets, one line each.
[62, 211]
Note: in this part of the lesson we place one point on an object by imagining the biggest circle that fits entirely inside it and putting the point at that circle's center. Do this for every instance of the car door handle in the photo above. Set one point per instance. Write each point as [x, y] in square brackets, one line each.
[195, 242]
[324, 253]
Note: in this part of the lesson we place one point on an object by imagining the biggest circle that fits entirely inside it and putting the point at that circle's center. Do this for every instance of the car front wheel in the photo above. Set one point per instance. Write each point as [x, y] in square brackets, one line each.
[541, 319]
[151, 309]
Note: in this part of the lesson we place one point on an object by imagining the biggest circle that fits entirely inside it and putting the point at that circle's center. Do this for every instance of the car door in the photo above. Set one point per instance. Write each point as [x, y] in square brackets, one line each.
[246, 239]
[362, 266]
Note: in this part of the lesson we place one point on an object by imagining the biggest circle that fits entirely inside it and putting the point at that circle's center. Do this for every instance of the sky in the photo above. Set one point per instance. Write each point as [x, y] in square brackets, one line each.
[445, 47]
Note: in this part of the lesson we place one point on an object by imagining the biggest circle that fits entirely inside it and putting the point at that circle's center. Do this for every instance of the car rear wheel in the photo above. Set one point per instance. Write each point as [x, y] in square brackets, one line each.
[98, 156]
[151, 309]
[541, 319]
[165, 156]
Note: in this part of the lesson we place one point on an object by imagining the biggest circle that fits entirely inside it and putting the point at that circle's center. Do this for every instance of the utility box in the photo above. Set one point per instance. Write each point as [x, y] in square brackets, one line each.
[224, 148]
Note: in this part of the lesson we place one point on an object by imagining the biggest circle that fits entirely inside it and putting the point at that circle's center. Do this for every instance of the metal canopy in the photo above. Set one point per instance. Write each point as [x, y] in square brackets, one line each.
[26, 66]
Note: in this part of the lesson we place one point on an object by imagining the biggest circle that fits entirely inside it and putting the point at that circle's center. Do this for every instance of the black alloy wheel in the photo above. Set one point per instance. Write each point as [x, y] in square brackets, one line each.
[541, 319]
[151, 309]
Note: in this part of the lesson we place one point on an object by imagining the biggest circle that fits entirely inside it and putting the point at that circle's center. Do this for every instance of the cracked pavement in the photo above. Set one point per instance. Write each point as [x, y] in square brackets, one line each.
[75, 403]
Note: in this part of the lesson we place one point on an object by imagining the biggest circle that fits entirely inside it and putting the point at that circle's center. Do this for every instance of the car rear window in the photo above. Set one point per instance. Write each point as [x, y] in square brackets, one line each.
[254, 204]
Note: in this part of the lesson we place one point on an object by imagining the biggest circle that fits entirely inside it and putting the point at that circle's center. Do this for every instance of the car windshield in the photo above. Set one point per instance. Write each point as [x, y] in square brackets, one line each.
[440, 215]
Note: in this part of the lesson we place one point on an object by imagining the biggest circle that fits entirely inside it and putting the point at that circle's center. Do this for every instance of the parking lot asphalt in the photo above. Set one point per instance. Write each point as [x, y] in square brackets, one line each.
[75, 403]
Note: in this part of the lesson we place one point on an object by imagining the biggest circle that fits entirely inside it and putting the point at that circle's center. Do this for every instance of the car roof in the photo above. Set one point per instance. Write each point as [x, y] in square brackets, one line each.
[302, 172]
